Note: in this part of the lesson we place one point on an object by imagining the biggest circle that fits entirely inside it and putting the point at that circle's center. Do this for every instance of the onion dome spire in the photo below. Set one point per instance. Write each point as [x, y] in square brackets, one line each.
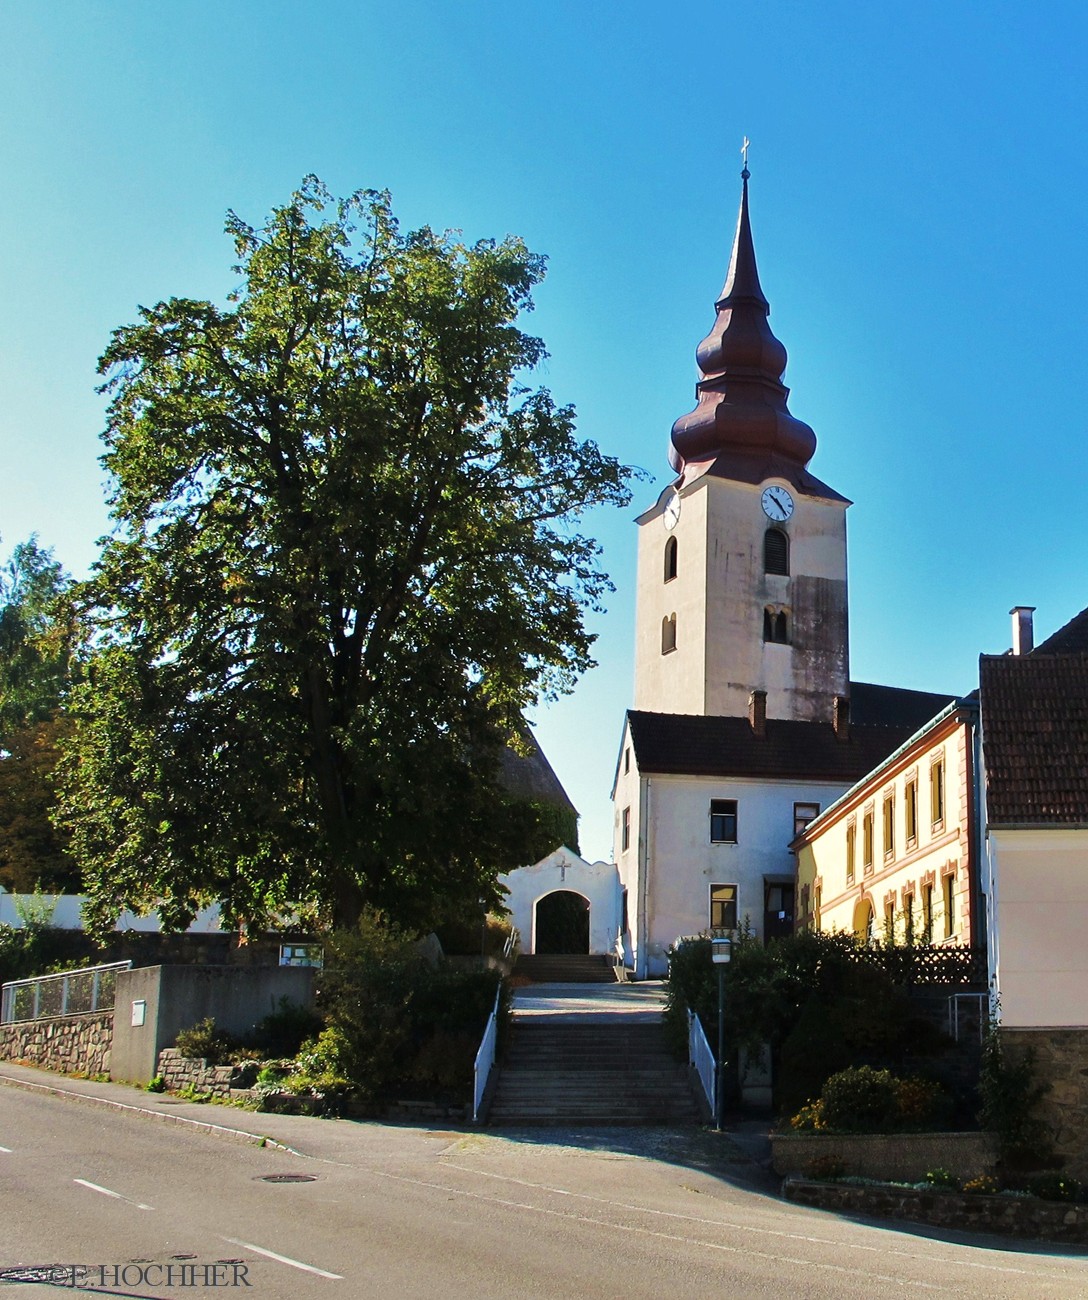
[741, 407]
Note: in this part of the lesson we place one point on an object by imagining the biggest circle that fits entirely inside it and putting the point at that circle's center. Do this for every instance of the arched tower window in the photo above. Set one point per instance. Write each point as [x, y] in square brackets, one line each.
[776, 552]
[670, 559]
[668, 634]
[776, 625]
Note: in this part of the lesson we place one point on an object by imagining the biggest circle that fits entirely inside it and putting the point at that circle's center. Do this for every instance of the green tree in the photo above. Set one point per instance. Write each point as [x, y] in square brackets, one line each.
[39, 658]
[344, 560]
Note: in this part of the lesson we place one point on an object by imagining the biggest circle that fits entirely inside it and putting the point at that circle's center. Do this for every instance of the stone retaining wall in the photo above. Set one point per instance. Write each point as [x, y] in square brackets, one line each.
[1061, 1060]
[67, 1044]
[905, 1157]
[191, 1071]
[1012, 1216]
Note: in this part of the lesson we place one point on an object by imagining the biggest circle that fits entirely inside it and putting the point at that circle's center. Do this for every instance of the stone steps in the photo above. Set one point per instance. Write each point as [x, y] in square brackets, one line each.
[561, 969]
[593, 1073]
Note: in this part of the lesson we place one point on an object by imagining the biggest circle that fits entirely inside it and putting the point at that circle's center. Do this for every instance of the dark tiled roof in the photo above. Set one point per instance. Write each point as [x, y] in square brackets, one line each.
[1068, 640]
[531, 776]
[1035, 738]
[687, 744]
[892, 706]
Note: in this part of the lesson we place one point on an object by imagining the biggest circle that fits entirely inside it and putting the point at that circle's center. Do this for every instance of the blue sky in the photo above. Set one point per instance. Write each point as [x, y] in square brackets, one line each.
[919, 208]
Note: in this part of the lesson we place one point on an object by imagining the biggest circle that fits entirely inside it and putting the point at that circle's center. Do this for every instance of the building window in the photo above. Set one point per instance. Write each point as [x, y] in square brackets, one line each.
[668, 634]
[723, 821]
[908, 917]
[670, 559]
[910, 812]
[889, 826]
[889, 921]
[936, 793]
[927, 913]
[627, 759]
[949, 906]
[776, 552]
[625, 829]
[776, 626]
[851, 849]
[803, 813]
[723, 907]
[867, 842]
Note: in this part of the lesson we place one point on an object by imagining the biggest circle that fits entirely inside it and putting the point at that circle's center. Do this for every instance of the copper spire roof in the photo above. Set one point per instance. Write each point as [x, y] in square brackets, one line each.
[741, 426]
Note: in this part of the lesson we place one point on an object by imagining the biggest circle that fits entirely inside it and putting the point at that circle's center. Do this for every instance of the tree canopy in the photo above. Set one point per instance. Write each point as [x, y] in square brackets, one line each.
[345, 558]
[39, 659]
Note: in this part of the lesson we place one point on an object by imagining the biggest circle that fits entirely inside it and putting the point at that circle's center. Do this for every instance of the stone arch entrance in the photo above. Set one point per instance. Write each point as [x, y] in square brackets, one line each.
[561, 923]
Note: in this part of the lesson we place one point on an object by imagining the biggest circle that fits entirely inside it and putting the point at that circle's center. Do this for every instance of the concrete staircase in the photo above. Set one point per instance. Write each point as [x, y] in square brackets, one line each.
[592, 1073]
[545, 969]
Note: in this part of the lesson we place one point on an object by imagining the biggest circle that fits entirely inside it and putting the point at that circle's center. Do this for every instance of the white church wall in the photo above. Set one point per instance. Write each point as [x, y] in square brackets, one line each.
[682, 863]
[598, 882]
[65, 912]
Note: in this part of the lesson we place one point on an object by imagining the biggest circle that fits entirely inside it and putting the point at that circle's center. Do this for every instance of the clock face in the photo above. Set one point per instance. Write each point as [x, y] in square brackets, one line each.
[777, 504]
[671, 515]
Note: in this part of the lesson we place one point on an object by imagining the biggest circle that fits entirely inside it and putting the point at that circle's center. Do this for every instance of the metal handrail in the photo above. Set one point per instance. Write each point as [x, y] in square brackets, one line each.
[485, 1060]
[701, 1060]
[25, 999]
[512, 941]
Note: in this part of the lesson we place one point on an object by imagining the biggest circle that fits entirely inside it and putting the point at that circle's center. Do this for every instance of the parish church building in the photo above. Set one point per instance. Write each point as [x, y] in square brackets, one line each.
[745, 723]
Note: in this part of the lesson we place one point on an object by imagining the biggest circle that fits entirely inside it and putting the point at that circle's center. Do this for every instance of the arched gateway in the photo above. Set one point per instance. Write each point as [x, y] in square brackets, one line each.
[561, 923]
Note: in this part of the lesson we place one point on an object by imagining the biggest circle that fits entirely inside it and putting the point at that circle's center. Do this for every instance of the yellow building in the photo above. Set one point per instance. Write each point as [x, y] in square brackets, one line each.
[894, 857]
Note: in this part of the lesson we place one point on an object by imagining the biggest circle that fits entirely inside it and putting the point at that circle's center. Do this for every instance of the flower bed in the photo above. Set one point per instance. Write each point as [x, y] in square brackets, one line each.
[900, 1156]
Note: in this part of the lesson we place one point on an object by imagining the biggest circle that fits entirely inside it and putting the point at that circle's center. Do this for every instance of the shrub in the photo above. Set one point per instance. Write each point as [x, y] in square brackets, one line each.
[322, 1072]
[157, 1084]
[859, 1100]
[1010, 1093]
[942, 1178]
[985, 1184]
[203, 1040]
[810, 1118]
[283, 1031]
[1054, 1187]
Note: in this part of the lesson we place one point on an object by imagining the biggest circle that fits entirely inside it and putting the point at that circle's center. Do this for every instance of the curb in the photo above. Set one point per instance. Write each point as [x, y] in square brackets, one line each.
[201, 1126]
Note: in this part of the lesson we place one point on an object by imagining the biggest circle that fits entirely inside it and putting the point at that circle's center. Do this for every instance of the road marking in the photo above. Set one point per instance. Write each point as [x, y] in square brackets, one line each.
[105, 1191]
[283, 1259]
[7, 1151]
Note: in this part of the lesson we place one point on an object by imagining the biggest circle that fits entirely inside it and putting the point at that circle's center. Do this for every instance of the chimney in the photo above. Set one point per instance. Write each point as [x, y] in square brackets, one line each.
[757, 713]
[840, 718]
[1023, 631]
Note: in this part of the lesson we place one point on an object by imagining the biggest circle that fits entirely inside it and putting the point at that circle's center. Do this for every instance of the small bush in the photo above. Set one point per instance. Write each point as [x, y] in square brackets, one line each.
[1054, 1187]
[859, 1100]
[283, 1031]
[942, 1178]
[204, 1041]
[810, 1118]
[984, 1184]
[157, 1084]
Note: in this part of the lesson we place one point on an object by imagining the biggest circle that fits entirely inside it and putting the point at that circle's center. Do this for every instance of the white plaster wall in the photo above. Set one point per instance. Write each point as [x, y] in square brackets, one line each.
[1042, 922]
[682, 863]
[673, 682]
[597, 881]
[63, 912]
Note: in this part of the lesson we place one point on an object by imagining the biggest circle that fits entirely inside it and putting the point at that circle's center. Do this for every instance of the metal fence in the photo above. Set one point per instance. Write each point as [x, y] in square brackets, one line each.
[68, 993]
[485, 1060]
[701, 1060]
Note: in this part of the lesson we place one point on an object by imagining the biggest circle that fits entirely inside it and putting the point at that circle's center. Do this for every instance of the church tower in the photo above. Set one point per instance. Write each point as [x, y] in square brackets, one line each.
[742, 559]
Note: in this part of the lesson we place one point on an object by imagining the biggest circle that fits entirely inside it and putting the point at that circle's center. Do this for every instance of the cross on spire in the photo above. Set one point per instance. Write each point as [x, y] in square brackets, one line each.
[745, 174]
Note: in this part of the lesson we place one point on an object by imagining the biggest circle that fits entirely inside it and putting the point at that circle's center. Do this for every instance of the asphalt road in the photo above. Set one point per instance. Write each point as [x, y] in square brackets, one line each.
[410, 1212]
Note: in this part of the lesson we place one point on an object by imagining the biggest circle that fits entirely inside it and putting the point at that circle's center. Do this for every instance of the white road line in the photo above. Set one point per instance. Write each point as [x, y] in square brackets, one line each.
[7, 1151]
[283, 1259]
[105, 1191]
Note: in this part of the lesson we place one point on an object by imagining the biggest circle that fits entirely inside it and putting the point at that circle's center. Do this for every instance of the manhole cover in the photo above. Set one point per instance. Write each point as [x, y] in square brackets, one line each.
[285, 1178]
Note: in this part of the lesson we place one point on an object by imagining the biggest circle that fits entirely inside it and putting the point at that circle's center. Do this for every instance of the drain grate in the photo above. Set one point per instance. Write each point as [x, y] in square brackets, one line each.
[285, 1178]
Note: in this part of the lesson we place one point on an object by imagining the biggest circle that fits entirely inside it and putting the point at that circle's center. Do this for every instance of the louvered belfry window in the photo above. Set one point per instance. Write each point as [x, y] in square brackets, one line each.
[776, 552]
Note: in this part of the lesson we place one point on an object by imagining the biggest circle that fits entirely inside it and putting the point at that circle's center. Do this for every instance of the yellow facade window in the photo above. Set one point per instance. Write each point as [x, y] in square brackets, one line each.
[910, 811]
[889, 826]
[949, 906]
[851, 850]
[867, 842]
[936, 793]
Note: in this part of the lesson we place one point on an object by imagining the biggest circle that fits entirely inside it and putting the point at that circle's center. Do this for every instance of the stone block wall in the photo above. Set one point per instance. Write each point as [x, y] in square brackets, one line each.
[1061, 1060]
[67, 1044]
[180, 1071]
